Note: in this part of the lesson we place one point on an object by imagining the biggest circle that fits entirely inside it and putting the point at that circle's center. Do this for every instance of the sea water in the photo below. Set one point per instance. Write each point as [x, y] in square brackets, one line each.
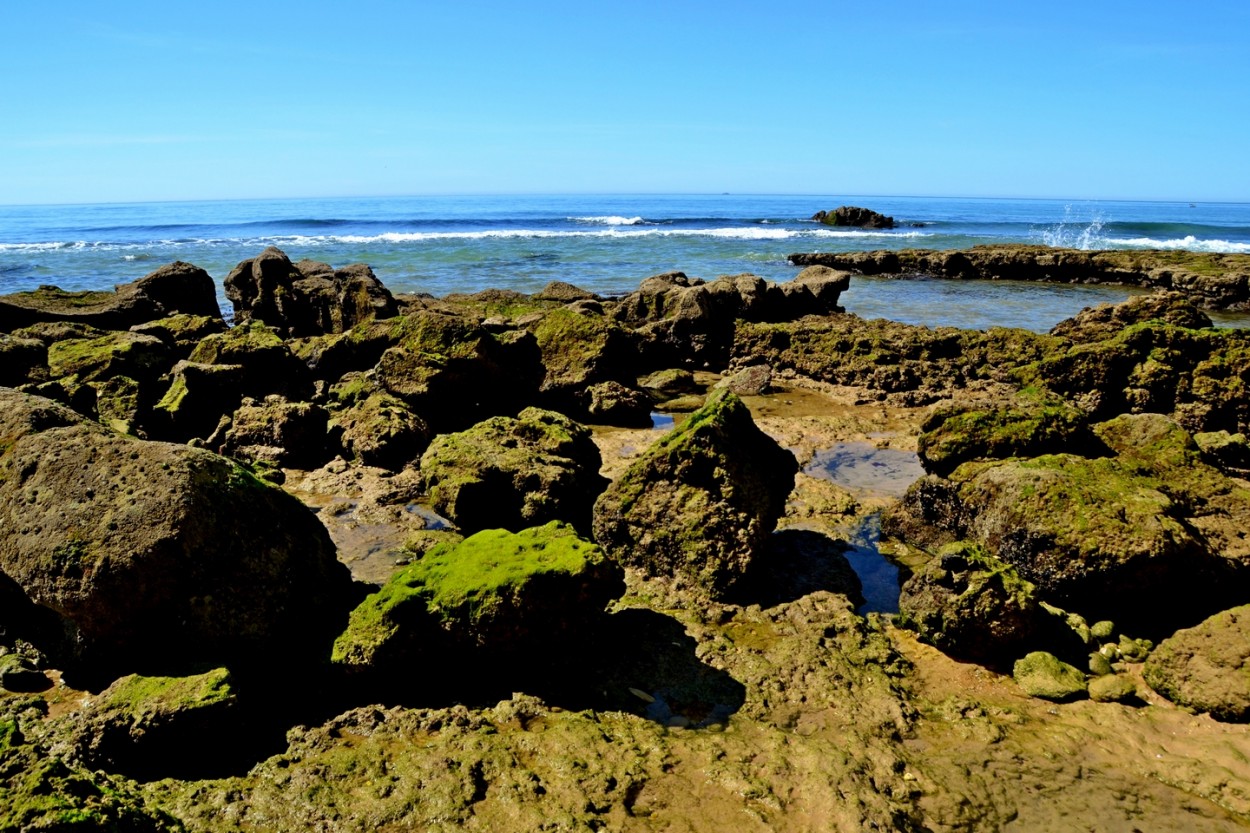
[609, 243]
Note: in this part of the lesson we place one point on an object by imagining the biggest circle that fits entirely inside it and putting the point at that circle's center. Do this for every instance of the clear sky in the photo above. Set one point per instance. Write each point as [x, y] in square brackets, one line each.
[132, 101]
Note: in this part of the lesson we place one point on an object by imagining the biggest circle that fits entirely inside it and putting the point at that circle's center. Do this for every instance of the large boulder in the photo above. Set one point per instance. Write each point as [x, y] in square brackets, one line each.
[513, 473]
[499, 592]
[373, 426]
[176, 288]
[699, 503]
[306, 298]
[279, 433]
[971, 605]
[1207, 667]
[1147, 535]
[454, 372]
[580, 347]
[157, 556]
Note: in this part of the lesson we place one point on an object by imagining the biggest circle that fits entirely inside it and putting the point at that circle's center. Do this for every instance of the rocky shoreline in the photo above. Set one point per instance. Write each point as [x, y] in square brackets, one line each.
[364, 561]
[1210, 281]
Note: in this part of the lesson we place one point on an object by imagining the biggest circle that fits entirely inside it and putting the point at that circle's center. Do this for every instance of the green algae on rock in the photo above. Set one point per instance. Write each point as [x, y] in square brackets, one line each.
[495, 590]
[514, 472]
[1042, 674]
[700, 502]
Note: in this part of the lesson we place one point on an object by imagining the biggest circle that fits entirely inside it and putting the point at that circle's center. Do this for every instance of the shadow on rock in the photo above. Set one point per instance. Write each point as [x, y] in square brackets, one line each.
[798, 562]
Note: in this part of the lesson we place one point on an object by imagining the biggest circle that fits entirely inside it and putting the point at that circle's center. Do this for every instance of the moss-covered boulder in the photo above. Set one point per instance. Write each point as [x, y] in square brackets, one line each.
[278, 433]
[115, 354]
[172, 289]
[700, 502]
[453, 372]
[513, 473]
[39, 791]
[495, 591]
[157, 556]
[268, 366]
[580, 348]
[1207, 667]
[1024, 427]
[1041, 674]
[971, 605]
[1106, 320]
[373, 426]
[1147, 536]
[143, 726]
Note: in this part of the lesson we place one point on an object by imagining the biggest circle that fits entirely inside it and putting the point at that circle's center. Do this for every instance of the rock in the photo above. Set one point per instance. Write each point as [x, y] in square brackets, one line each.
[278, 433]
[454, 373]
[1024, 427]
[1041, 674]
[1112, 688]
[18, 675]
[144, 726]
[182, 332]
[115, 354]
[124, 540]
[1099, 665]
[1230, 452]
[42, 792]
[374, 427]
[580, 349]
[970, 605]
[611, 403]
[1207, 667]
[495, 591]
[176, 288]
[701, 501]
[1106, 320]
[1213, 281]
[852, 215]
[514, 473]
[199, 397]
[307, 298]
[755, 380]
[268, 366]
[683, 320]
[1152, 517]
[564, 292]
[669, 383]
[22, 360]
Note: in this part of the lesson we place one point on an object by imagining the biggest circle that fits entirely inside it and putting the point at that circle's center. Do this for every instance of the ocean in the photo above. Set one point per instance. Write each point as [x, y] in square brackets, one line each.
[609, 243]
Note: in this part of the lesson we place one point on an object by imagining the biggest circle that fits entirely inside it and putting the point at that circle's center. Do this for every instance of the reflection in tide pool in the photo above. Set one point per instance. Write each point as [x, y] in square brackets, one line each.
[864, 468]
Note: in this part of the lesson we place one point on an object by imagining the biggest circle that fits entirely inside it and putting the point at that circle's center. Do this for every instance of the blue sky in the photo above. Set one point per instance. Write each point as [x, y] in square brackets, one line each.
[136, 101]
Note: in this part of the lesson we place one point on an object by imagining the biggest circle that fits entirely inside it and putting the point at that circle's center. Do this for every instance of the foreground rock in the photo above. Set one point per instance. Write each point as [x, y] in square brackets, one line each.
[701, 502]
[156, 556]
[176, 288]
[496, 591]
[1214, 281]
[1207, 667]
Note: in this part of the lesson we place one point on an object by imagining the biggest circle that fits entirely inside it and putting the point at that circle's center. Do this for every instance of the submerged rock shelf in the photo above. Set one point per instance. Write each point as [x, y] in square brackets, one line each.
[615, 563]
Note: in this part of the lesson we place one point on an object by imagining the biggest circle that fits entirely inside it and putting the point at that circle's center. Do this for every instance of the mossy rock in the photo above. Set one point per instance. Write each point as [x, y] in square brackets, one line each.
[182, 332]
[116, 354]
[513, 473]
[580, 348]
[1112, 688]
[1042, 674]
[496, 590]
[376, 428]
[701, 501]
[198, 397]
[268, 365]
[668, 383]
[22, 360]
[1207, 667]
[278, 433]
[971, 605]
[1025, 427]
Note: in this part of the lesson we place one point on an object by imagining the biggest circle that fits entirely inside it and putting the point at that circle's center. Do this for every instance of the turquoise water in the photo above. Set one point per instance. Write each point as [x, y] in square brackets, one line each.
[606, 243]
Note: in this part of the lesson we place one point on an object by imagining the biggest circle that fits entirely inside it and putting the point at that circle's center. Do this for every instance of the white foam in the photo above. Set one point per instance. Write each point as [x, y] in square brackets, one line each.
[1187, 243]
[734, 233]
[610, 220]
